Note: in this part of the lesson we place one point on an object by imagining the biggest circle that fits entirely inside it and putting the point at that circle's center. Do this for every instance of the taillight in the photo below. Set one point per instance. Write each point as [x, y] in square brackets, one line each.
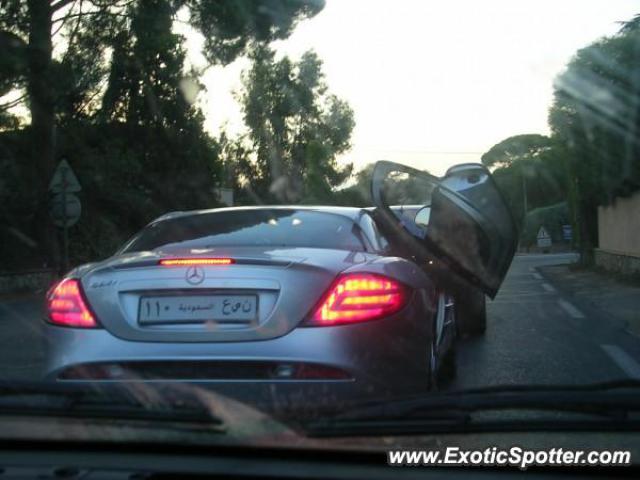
[66, 305]
[357, 297]
[188, 262]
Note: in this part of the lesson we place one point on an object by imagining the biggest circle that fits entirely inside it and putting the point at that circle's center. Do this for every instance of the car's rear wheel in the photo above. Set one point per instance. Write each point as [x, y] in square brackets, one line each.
[443, 365]
[471, 310]
[433, 370]
[449, 363]
[443, 370]
[448, 366]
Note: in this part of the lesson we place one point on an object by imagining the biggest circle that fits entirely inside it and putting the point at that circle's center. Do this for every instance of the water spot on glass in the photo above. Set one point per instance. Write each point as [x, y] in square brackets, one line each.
[190, 89]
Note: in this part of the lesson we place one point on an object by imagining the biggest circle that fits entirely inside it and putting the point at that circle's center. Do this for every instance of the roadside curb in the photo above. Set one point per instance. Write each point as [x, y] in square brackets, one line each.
[17, 296]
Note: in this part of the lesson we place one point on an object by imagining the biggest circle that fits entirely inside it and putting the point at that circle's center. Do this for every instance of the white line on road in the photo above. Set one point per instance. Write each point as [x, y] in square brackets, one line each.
[553, 257]
[548, 288]
[570, 309]
[537, 276]
[623, 360]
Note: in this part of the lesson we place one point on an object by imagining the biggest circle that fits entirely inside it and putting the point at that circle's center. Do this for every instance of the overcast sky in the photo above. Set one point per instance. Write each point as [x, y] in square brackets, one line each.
[434, 83]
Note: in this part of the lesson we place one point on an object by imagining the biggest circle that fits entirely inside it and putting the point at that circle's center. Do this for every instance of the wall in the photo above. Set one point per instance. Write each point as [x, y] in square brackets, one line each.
[619, 235]
[26, 281]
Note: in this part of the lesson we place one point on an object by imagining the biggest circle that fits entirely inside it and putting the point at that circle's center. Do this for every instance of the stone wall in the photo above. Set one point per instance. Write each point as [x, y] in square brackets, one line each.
[26, 281]
[616, 262]
[619, 235]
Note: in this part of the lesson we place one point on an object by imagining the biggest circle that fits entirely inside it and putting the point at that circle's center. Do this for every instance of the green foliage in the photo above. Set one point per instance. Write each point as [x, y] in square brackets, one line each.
[532, 162]
[229, 26]
[14, 17]
[120, 193]
[8, 121]
[80, 74]
[158, 156]
[13, 65]
[296, 131]
[123, 185]
[20, 204]
[551, 217]
[595, 116]
[358, 194]
[518, 147]
[116, 101]
[147, 71]
[398, 189]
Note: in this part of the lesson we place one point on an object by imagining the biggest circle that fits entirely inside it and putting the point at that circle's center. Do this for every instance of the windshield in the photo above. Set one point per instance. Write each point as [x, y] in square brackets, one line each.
[245, 228]
[302, 208]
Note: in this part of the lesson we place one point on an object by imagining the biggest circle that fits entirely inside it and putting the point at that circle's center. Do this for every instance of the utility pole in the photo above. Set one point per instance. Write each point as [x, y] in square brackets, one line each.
[524, 193]
[524, 201]
[65, 226]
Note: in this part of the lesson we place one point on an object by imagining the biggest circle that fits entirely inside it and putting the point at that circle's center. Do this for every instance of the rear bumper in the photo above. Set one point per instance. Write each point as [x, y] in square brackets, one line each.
[378, 358]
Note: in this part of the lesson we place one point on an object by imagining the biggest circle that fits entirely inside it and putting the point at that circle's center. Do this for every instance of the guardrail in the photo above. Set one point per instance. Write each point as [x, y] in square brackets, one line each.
[26, 280]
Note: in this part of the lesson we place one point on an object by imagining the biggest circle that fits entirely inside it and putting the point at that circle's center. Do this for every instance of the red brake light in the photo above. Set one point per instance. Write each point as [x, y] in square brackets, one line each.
[67, 307]
[188, 262]
[358, 297]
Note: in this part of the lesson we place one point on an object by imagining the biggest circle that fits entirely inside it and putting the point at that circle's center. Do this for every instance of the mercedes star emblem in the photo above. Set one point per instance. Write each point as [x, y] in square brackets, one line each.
[195, 275]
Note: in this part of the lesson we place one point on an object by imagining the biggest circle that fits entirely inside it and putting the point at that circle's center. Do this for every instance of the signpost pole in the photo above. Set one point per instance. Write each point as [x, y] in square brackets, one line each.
[65, 228]
[524, 194]
[65, 206]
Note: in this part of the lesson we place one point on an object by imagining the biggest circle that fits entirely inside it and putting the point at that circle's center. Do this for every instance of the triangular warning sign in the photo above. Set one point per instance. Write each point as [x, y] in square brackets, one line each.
[64, 179]
[542, 233]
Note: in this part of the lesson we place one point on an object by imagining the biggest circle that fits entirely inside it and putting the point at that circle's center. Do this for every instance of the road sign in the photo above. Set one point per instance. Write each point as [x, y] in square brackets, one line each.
[543, 238]
[567, 232]
[65, 206]
[64, 179]
[65, 217]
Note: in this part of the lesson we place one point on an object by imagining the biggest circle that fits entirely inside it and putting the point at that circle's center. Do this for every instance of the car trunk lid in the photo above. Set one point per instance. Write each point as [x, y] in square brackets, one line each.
[264, 294]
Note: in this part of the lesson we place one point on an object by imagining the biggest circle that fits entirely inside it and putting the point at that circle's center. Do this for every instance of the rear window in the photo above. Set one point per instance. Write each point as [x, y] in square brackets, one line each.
[278, 228]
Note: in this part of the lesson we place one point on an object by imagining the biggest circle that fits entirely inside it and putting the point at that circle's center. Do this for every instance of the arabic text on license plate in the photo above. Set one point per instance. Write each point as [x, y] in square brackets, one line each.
[197, 308]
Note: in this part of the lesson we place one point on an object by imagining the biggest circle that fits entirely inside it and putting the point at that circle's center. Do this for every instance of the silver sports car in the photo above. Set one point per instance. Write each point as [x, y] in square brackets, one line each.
[276, 304]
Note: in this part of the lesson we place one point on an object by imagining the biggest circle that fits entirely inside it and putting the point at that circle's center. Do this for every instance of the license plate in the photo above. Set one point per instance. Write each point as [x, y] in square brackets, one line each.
[198, 308]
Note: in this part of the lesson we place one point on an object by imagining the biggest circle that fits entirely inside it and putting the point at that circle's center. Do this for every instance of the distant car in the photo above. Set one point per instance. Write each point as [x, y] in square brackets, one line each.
[272, 304]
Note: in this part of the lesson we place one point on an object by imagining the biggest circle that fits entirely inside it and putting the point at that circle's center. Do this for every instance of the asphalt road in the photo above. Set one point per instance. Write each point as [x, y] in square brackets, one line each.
[21, 341]
[534, 335]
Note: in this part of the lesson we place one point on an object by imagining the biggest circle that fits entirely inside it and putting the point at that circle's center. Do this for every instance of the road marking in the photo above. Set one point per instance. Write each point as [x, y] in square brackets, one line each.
[535, 256]
[537, 276]
[533, 301]
[518, 294]
[623, 360]
[548, 288]
[570, 309]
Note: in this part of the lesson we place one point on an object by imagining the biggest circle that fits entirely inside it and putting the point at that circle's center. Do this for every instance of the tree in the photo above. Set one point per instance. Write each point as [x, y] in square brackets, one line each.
[149, 105]
[359, 193]
[398, 188]
[146, 75]
[67, 85]
[529, 171]
[595, 116]
[296, 129]
[518, 147]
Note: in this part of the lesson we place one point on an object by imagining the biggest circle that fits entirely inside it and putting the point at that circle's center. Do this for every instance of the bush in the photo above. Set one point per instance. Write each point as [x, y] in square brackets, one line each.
[129, 176]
